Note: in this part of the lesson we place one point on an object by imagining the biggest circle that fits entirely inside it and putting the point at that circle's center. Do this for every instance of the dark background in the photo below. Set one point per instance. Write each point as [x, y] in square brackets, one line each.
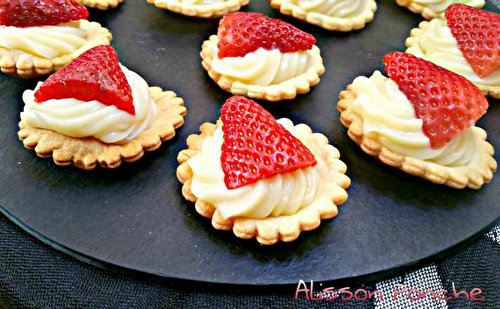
[36, 276]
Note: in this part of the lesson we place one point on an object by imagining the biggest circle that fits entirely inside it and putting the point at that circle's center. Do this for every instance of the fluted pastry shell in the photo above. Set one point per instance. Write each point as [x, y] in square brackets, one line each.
[414, 39]
[269, 230]
[325, 21]
[101, 4]
[476, 173]
[26, 65]
[426, 12]
[88, 153]
[283, 91]
[203, 11]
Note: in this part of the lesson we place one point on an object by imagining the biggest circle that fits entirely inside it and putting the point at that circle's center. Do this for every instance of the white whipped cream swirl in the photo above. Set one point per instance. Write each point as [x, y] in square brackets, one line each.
[283, 194]
[389, 117]
[197, 2]
[75, 118]
[264, 67]
[334, 8]
[46, 41]
[437, 44]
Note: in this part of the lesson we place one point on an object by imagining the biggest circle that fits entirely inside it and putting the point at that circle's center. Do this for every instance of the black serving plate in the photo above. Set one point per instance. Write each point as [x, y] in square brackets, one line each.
[135, 219]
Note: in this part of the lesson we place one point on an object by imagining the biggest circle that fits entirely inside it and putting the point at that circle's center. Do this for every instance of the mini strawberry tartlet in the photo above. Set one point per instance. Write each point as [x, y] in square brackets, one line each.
[200, 8]
[101, 4]
[97, 112]
[431, 9]
[262, 58]
[421, 120]
[337, 15]
[260, 177]
[467, 42]
[41, 36]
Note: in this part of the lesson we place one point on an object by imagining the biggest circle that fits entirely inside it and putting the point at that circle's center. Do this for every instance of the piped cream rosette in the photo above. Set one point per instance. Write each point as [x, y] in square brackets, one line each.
[383, 122]
[264, 74]
[271, 210]
[200, 8]
[431, 9]
[101, 4]
[88, 134]
[337, 15]
[32, 51]
[434, 42]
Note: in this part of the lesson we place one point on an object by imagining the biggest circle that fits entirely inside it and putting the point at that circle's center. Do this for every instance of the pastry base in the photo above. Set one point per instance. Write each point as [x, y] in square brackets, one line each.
[325, 21]
[283, 91]
[25, 65]
[101, 4]
[414, 39]
[88, 153]
[426, 12]
[267, 231]
[203, 11]
[478, 172]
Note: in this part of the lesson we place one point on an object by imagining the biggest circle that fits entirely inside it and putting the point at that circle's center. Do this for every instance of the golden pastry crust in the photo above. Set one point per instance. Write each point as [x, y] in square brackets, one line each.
[325, 21]
[101, 4]
[88, 153]
[269, 230]
[426, 12]
[284, 91]
[413, 42]
[26, 65]
[478, 172]
[203, 11]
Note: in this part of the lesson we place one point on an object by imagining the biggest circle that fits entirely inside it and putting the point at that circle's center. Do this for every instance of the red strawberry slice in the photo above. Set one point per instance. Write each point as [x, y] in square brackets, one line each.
[29, 13]
[478, 35]
[256, 146]
[95, 75]
[447, 103]
[242, 33]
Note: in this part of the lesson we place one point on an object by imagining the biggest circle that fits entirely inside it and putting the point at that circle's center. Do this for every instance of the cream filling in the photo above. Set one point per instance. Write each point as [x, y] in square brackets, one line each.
[283, 194]
[201, 2]
[77, 118]
[196, 2]
[439, 6]
[334, 8]
[389, 117]
[437, 44]
[264, 67]
[46, 41]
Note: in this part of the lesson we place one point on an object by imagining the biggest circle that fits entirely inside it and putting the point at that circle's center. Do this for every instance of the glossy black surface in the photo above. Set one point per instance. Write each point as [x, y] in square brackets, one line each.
[136, 218]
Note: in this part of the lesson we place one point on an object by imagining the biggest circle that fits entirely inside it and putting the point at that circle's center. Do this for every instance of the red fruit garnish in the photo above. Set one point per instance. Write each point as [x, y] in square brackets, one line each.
[256, 146]
[94, 75]
[29, 13]
[242, 33]
[447, 103]
[478, 35]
